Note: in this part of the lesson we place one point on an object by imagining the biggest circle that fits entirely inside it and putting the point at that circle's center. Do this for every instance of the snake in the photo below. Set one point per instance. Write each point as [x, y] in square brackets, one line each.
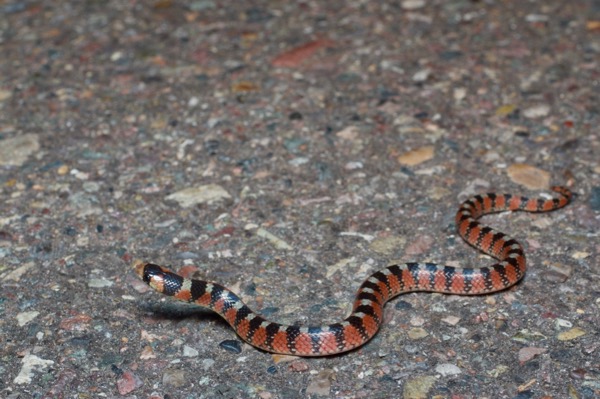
[366, 317]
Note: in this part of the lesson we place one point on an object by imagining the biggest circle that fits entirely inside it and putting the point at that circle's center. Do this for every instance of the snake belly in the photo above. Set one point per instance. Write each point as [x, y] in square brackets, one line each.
[367, 313]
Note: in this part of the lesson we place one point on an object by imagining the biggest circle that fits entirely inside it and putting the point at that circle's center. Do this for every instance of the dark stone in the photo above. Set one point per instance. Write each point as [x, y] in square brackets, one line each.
[403, 305]
[524, 395]
[231, 345]
[450, 55]
[595, 199]
[272, 369]
[70, 231]
[211, 146]
[295, 116]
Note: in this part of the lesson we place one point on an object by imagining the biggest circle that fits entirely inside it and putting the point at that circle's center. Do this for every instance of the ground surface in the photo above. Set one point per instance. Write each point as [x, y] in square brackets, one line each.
[349, 131]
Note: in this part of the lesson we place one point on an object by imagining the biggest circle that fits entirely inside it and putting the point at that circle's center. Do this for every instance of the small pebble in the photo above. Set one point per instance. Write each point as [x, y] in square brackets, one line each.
[295, 116]
[562, 323]
[202, 5]
[452, 320]
[174, 378]
[506, 109]
[207, 194]
[188, 351]
[580, 255]
[417, 333]
[595, 198]
[403, 305]
[299, 365]
[447, 369]
[349, 133]
[578, 374]
[211, 146]
[244, 86]
[25, 317]
[353, 165]
[128, 382]
[418, 387]
[321, 383]
[147, 353]
[523, 395]
[421, 75]
[528, 353]
[91, 186]
[16, 274]
[417, 321]
[298, 55]
[413, 4]
[75, 323]
[16, 150]
[536, 18]
[70, 231]
[62, 170]
[5, 94]
[207, 364]
[272, 369]
[498, 371]
[418, 156]
[537, 111]
[31, 363]
[459, 93]
[273, 239]
[557, 273]
[387, 245]
[299, 161]
[231, 345]
[526, 336]
[192, 102]
[116, 56]
[529, 176]
[571, 334]
[99, 283]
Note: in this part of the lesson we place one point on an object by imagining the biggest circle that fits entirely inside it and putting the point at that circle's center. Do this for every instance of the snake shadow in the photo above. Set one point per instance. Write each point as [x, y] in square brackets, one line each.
[177, 311]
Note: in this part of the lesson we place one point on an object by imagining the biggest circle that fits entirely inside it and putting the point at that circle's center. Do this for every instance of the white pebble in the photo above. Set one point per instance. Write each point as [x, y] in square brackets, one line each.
[413, 4]
[192, 102]
[446, 369]
[25, 317]
[537, 111]
[562, 323]
[188, 351]
[422, 75]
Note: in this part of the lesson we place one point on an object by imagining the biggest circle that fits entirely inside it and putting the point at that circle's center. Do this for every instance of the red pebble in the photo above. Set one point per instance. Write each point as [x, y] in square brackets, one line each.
[128, 382]
[79, 322]
[299, 366]
[294, 57]
[228, 230]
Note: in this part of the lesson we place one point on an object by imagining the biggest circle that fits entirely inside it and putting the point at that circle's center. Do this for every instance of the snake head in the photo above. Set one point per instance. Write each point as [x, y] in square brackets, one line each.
[151, 274]
[159, 278]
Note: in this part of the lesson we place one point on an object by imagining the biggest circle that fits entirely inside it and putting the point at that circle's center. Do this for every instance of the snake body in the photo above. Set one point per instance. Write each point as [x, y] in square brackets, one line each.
[367, 313]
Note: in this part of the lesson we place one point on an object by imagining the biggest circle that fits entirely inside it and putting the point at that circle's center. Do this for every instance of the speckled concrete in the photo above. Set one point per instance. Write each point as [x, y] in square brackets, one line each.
[287, 150]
